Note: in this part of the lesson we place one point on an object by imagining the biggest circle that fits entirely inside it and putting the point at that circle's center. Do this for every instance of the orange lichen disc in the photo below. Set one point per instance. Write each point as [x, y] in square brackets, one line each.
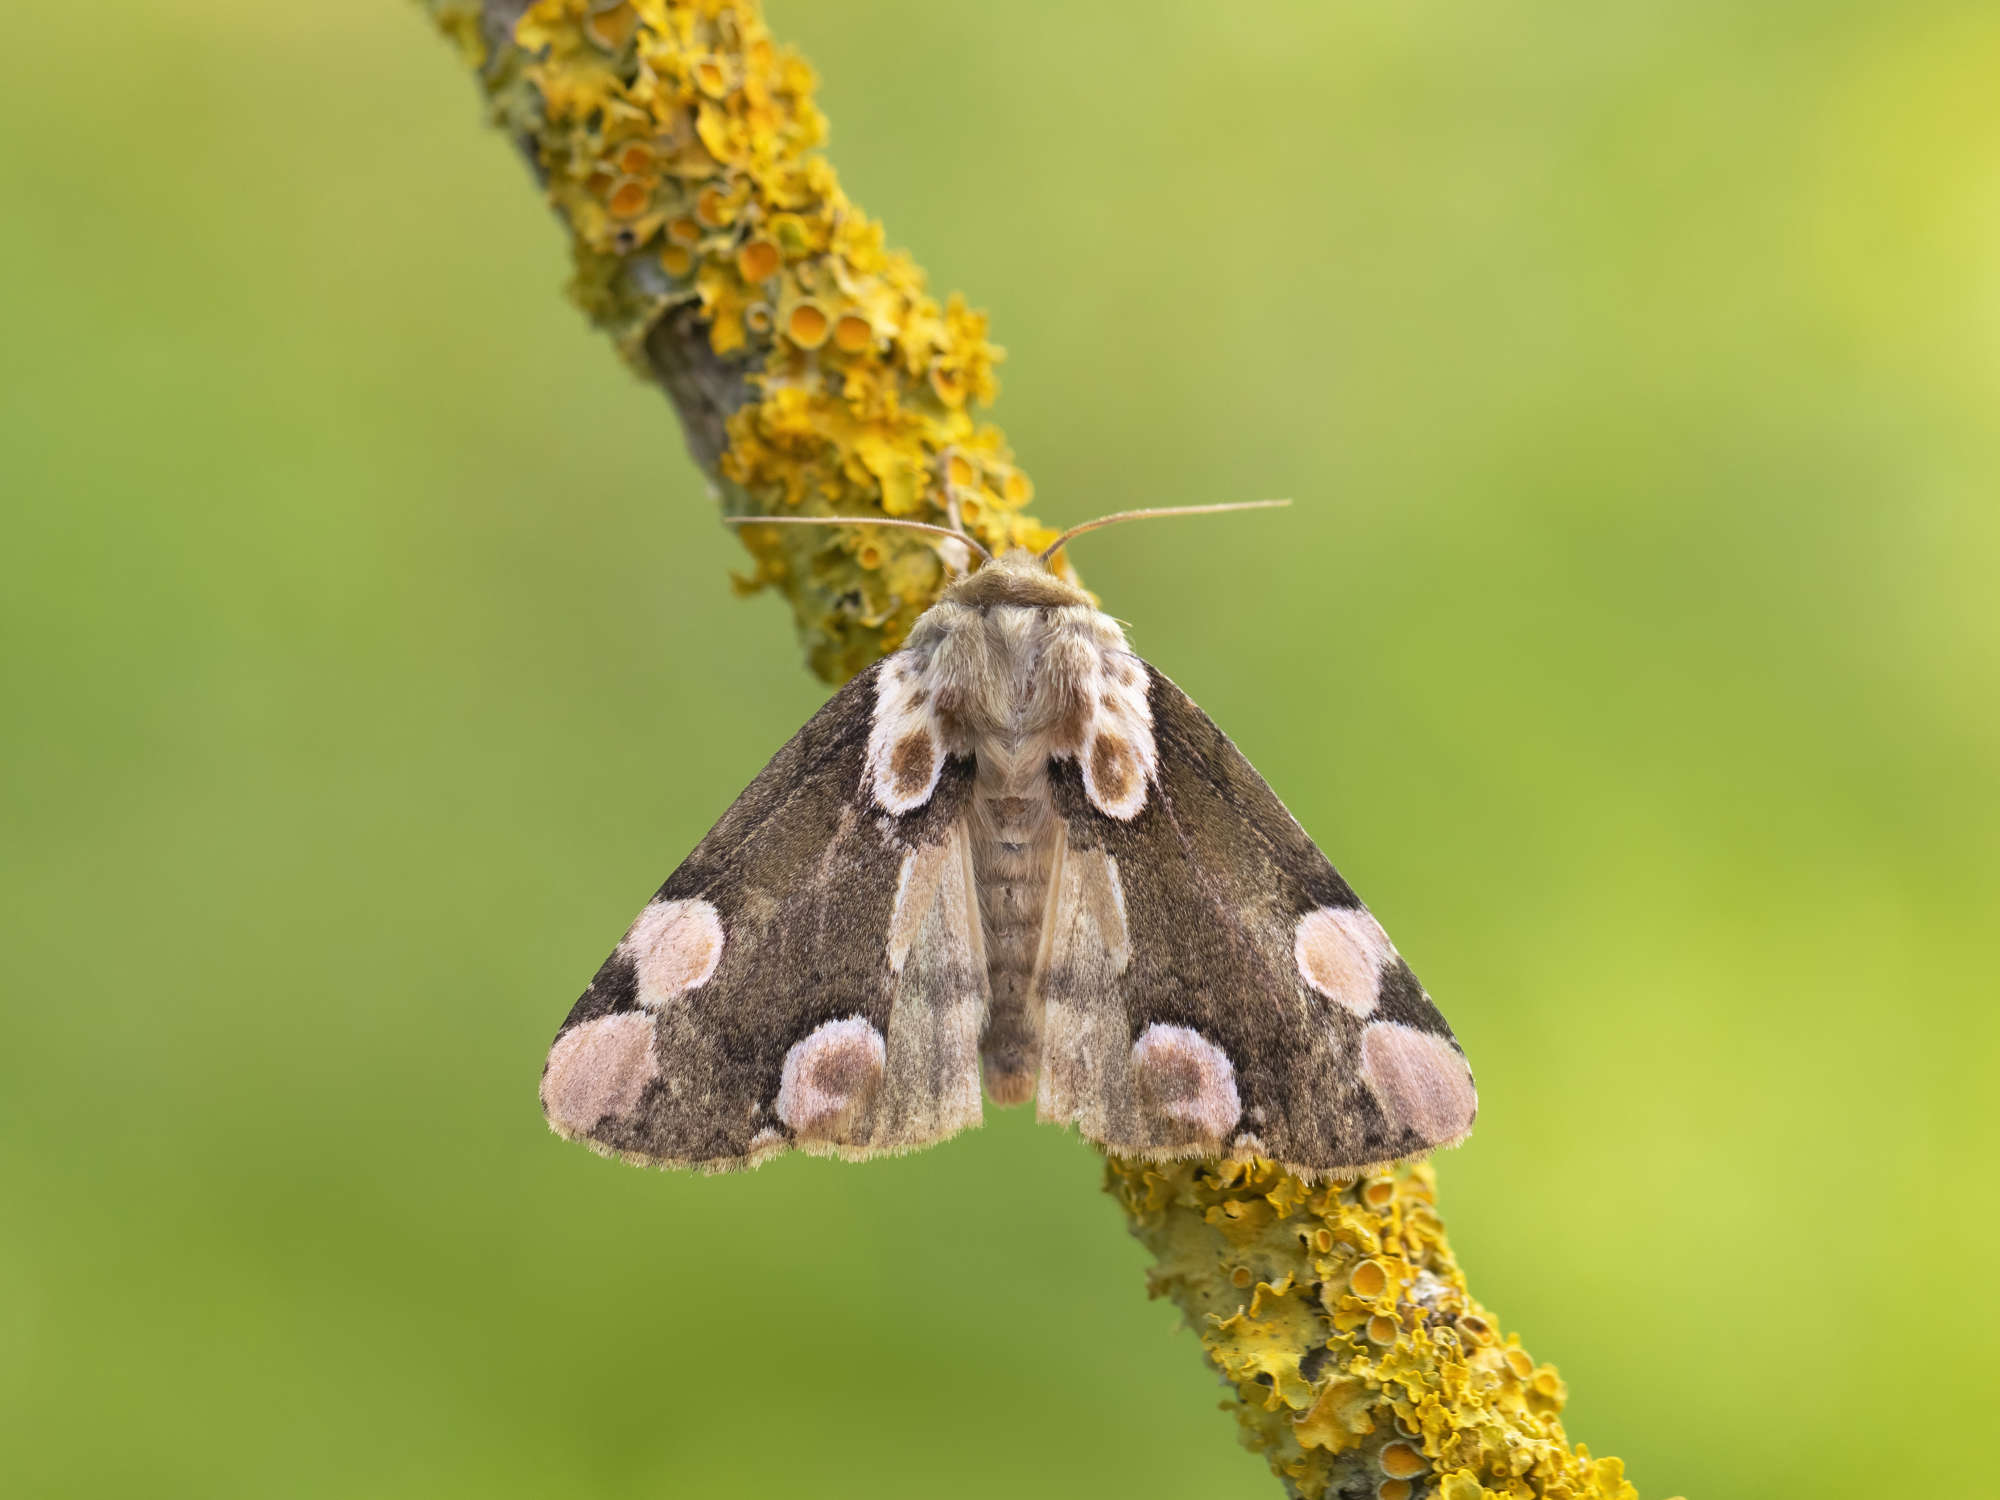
[1401, 1461]
[759, 260]
[1368, 1279]
[807, 327]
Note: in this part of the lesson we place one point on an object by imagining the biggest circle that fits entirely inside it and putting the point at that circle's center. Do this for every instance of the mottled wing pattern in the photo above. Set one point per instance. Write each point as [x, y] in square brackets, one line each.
[812, 976]
[1212, 987]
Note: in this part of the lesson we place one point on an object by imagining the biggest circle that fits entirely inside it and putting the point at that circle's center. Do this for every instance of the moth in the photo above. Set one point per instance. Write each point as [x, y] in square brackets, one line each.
[1010, 853]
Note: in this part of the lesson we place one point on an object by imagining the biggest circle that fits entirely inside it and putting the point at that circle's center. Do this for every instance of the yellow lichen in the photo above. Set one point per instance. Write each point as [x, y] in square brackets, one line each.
[680, 144]
[1360, 1361]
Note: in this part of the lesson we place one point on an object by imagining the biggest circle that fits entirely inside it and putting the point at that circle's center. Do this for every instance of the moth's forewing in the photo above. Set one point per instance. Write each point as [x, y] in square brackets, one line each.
[1213, 986]
[810, 976]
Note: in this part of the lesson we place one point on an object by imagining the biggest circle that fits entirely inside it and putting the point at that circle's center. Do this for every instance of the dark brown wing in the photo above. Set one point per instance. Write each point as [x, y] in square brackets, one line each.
[811, 976]
[1212, 987]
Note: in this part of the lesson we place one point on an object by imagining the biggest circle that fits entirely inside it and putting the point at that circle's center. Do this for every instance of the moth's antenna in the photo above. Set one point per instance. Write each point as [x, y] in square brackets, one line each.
[956, 536]
[1147, 515]
[951, 513]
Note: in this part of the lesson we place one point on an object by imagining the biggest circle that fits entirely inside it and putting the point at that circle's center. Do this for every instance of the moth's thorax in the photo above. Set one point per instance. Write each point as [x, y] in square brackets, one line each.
[1017, 659]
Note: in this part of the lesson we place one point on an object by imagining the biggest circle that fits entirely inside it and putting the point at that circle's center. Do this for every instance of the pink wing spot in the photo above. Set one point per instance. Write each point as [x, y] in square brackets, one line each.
[1113, 776]
[1186, 1081]
[1420, 1080]
[913, 765]
[905, 750]
[674, 947]
[597, 1069]
[1118, 755]
[1341, 952]
[829, 1078]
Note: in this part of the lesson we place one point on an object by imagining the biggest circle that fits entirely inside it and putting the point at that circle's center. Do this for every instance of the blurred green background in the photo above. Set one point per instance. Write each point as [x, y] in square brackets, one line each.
[369, 657]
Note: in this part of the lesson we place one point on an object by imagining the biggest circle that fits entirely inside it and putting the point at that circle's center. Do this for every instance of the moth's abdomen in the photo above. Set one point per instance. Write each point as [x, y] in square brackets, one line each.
[1013, 830]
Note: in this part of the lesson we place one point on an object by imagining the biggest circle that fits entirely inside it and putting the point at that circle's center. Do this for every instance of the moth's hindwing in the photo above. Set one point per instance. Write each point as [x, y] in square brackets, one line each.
[1212, 987]
[812, 976]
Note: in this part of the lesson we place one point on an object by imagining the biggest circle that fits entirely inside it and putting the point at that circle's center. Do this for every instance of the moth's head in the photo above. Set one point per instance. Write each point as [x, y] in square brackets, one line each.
[1016, 576]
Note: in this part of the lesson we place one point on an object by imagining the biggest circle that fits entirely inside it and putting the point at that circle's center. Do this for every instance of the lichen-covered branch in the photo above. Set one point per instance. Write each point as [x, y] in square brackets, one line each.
[814, 375]
[1360, 1366]
[812, 371]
